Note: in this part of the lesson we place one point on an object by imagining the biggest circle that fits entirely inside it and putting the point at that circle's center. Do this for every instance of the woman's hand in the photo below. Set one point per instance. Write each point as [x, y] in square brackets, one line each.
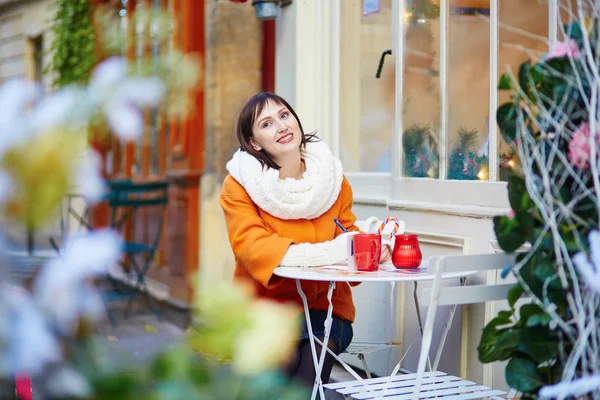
[386, 253]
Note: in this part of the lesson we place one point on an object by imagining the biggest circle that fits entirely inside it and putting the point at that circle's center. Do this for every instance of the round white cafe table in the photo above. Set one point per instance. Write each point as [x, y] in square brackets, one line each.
[386, 273]
[340, 273]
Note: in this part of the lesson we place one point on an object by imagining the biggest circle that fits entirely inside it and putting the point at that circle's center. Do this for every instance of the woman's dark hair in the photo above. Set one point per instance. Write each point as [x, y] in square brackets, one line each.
[247, 117]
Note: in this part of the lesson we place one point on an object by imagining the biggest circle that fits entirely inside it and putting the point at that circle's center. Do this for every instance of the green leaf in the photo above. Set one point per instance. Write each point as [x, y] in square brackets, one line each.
[537, 320]
[526, 273]
[514, 294]
[574, 31]
[569, 236]
[525, 76]
[522, 375]
[505, 82]
[506, 116]
[116, 383]
[497, 345]
[517, 193]
[508, 233]
[526, 224]
[545, 270]
[503, 317]
[539, 343]
[560, 90]
[527, 311]
[73, 48]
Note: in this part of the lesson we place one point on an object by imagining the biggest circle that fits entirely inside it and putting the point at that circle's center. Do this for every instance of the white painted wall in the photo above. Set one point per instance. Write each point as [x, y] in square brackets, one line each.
[305, 64]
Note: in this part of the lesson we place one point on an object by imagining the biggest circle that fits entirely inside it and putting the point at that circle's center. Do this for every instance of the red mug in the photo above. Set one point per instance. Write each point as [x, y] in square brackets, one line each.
[406, 253]
[364, 251]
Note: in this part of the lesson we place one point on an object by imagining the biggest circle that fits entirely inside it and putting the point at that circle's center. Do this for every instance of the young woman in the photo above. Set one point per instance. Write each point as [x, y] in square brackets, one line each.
[281, 196]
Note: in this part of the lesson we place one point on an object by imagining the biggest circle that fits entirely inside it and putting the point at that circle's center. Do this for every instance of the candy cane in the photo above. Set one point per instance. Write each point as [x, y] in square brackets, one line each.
[388, 220]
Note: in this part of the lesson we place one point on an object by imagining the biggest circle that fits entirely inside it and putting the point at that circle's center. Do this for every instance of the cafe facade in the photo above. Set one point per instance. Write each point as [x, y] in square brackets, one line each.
[405, 93]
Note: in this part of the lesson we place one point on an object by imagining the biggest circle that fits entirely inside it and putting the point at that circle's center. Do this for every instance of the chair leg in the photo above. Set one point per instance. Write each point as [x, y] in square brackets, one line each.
[54, 245]
[79, 218]
[107, 307]
[141, 286]
[362, 358]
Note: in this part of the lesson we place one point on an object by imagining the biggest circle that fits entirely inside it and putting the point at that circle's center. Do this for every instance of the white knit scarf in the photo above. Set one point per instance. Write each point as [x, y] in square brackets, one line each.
[307, 198]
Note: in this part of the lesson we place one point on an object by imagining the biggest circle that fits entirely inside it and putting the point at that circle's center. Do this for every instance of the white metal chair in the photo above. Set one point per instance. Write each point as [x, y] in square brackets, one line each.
[435, 384]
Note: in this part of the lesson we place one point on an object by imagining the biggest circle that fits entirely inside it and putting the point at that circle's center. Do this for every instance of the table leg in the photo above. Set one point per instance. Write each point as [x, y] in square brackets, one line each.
[311, 340]
[328, 322]
[417, 307]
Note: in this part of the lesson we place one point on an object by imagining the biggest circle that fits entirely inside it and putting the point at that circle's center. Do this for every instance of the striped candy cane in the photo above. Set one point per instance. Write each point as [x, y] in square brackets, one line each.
[387, 221]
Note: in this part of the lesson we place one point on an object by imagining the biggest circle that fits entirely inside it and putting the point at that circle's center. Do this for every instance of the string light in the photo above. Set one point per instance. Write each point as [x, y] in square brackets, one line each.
[483, 174]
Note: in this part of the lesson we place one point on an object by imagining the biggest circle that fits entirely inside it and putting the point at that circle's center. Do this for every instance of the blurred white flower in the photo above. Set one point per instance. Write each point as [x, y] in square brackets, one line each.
[61, 287]
[59, 110]
[66, 383]
[107, 75]
[590, 272]
[269, 340]
[88, 179]
[121, 97]
[125, 120]
[30, 345]
[15, 98]
[143, 92]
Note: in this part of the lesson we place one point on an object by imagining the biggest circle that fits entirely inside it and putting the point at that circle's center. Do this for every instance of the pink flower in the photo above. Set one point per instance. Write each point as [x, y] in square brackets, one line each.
[568, 48]
[579, 147]
[511, 213]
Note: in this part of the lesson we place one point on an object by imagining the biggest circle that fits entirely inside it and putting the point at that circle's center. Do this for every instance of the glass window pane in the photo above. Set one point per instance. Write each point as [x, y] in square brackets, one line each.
[421, 100]
[468, 90]
[366, 102]
[523, 32]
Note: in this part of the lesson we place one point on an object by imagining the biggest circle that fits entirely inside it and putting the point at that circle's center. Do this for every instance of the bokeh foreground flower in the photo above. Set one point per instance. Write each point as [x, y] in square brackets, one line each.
[254, 335]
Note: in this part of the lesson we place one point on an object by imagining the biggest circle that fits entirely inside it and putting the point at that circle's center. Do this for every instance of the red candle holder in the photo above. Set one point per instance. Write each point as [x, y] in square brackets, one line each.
[406, 253]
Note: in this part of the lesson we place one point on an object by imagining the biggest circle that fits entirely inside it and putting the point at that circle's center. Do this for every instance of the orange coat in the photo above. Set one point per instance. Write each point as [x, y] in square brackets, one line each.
[259, 241]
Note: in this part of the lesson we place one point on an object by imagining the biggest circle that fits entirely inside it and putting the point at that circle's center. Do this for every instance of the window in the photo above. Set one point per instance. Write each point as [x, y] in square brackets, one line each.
[468, 70]
[439, 125]
[521, 37]
[367, 102]
[421, 96]
[34, 51]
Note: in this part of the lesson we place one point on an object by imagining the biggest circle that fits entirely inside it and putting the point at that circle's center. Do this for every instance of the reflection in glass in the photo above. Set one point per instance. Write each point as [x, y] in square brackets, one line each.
[523, 33]
[421, 100]
[366, 102]
[468, 90]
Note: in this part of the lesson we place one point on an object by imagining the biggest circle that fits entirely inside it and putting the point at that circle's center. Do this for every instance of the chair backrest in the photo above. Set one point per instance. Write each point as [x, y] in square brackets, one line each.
[468, 294]
[450, 295]
[125, 193]
[126, 197]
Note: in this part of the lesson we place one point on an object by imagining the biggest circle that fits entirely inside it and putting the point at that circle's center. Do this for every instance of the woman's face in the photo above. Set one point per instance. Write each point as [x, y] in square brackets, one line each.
[276, 131]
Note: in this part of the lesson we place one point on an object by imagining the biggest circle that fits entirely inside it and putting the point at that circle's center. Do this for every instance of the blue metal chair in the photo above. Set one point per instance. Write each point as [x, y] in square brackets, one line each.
[126, 198]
